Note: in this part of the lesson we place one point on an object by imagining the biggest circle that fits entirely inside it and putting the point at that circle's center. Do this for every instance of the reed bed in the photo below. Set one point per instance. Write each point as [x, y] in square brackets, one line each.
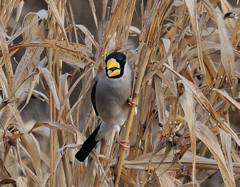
[186, 61]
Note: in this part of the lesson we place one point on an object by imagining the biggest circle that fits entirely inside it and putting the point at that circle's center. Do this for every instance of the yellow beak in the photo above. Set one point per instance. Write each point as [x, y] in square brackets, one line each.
[113, 67]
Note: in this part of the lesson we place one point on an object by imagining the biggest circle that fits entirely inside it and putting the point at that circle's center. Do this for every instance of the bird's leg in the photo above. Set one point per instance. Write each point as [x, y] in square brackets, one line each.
[122, 142]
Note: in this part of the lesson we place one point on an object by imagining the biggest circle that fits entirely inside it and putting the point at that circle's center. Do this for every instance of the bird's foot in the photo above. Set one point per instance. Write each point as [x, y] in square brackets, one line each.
[131, 102]
[122, 143]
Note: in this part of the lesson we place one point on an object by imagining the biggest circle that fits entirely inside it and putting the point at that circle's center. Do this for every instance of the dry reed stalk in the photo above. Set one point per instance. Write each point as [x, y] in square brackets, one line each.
[136, 92]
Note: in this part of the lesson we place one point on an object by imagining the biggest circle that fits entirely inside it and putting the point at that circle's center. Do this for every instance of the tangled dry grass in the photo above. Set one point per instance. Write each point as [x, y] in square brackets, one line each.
[185, 55]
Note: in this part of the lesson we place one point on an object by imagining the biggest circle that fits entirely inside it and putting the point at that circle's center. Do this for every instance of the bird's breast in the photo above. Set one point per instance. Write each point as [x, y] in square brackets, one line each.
[111, 100]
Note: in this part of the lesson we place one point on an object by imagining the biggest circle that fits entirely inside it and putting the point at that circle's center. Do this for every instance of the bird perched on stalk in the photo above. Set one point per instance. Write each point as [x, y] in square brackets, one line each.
[110, 95]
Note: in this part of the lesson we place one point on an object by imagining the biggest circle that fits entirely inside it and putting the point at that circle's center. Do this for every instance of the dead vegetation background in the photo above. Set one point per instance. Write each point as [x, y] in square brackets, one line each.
[185, 55]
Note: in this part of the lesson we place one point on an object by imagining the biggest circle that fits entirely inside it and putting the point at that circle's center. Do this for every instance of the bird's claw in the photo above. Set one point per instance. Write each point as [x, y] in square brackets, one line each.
[122, 143]
[131, 102]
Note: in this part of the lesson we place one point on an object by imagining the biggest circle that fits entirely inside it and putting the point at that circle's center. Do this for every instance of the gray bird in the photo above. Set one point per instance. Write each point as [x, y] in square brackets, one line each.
[110, 95]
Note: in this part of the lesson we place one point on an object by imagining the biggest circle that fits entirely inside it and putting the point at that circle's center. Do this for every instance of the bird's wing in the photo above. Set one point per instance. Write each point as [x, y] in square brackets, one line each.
[93, 94]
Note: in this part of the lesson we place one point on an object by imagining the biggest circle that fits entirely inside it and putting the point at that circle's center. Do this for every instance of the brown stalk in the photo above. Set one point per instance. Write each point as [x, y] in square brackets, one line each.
[135, 138]
[235, 34]
[7, 62]
[51, 110]
[132, 110]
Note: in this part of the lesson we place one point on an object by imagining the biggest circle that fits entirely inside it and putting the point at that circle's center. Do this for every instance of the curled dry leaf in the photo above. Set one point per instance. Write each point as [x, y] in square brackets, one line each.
[31, 20]
[50, 82]
[94, 12]
[226, 146]
[88, 35]
[225, 95]
[55, 126]
[24, 73]
[188, 104]
[142, 162]
[18, 181]
[63, 86]
[56, 14]
[160, 100]
[166, 180]
[134, 30]
[227, 55]
[7, 61]
[209, 139]
[71, 59]
[31, 145]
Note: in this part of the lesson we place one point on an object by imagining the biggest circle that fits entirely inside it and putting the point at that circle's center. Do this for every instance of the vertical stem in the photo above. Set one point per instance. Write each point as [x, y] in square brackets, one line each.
[50, 68]
[52, 155]
[234, 34]
[89, 172]
[7, 63]
[131, 112]
[3, 8]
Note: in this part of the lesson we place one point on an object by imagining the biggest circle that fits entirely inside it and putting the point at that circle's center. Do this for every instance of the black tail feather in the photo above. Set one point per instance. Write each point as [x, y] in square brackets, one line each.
[87, 146]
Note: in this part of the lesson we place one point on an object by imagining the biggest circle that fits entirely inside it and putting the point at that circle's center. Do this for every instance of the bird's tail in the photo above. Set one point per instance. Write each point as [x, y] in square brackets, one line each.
[87, 146]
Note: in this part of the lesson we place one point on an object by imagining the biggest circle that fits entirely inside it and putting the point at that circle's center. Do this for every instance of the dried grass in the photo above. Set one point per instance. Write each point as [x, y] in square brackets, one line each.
[187, 66]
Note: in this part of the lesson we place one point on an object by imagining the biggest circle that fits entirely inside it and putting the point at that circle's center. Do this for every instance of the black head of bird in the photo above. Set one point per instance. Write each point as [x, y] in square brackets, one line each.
[115, 63]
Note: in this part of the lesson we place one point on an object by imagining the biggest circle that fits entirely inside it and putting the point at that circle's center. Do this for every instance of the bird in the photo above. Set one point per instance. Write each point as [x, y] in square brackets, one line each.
[110, 95]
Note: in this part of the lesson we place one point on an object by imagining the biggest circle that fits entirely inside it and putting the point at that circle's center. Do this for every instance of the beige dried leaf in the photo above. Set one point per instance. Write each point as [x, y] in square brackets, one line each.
[142, 162]
[32, 175]
[166, 180]
[227, 55]
[104, 12]
[28, 63]
[188, 104]
[170, 84]
[55, 126]
[226, 143]
[160, 100]
[52, 6]
[71, 59]
[50, 82]
[209, 139]
[94, 12]
[31, 20]
[22, 182]
[74, 48]
[134, 30]
[32, 147]
[88, 35]
[63, 86]
[205, 104]
[7, 61]
[3, 83]
[18, 181]
[198, 95]
[166, 44]
[226, 7]
[225, 95]
[128, 180]
[192, 8]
